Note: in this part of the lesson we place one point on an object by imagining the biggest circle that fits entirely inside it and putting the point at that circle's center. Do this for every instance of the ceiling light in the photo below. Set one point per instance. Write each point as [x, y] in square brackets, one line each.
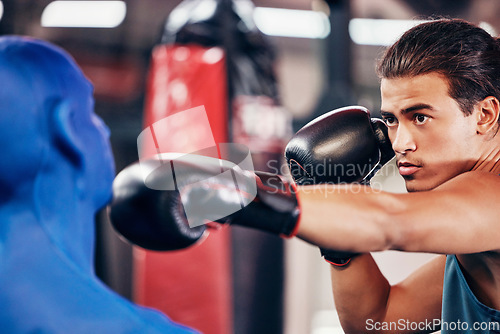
[385, 32]
[1, 9]
[84, 14]
[378, 31]
[489, 28]
[292, 22]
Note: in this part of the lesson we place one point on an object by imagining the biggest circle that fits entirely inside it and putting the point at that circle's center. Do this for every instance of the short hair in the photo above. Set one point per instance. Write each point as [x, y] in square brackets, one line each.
[465, 54]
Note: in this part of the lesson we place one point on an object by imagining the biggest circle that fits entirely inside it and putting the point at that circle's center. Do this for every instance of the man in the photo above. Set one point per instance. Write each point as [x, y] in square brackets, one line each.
[440, 86]
[440, 100]
[55, 173]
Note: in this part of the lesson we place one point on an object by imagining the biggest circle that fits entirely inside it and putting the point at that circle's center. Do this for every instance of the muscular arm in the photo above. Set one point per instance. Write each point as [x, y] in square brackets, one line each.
[460, 216]
[367, 303]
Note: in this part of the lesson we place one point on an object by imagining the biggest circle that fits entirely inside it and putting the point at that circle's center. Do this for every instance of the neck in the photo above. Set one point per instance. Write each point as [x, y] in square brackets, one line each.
[66, 216]
[490, 159]
[72, 230]
[71, 235]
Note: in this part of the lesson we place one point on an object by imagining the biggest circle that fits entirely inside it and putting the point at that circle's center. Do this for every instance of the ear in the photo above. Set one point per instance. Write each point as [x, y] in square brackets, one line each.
[487, 118]
[65, 134]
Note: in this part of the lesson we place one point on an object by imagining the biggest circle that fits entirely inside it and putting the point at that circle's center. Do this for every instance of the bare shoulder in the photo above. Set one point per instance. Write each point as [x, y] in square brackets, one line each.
[474, 179]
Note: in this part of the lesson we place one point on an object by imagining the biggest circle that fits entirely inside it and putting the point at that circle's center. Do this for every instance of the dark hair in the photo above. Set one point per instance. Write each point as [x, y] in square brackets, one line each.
[465, 54]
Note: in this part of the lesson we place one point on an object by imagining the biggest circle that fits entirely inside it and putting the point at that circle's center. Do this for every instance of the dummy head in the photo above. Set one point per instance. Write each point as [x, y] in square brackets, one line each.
[52, 142]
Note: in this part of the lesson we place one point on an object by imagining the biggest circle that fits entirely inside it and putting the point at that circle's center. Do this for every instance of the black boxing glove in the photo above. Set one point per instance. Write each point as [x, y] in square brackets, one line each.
[384, 144]
[143, 215]
[341, 146]
[193, 192]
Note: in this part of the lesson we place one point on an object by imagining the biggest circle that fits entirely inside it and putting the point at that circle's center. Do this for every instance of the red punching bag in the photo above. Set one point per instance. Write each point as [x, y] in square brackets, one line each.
[211, 81]
[191, 286]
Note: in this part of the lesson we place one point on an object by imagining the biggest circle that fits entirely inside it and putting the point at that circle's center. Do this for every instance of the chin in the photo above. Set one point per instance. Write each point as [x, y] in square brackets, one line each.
[415, 185]
[412, 188]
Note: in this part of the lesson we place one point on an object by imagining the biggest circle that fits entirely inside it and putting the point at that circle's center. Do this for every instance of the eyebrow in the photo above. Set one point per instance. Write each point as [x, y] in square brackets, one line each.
[410, 109]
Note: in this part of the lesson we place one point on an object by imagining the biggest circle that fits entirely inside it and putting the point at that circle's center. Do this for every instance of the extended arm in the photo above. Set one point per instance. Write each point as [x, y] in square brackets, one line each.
[460, 216]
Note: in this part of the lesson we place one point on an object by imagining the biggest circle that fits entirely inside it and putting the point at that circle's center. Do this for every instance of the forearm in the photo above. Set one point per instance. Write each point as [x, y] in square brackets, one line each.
[351, 218]
[367, 303]
[360, 293]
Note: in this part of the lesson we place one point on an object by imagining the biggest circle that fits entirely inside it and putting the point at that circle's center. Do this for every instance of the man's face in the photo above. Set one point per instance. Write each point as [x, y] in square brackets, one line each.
[434, 141]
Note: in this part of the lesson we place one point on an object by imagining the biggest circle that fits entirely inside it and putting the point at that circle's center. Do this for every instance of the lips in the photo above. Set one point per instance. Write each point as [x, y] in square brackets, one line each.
[407, 168]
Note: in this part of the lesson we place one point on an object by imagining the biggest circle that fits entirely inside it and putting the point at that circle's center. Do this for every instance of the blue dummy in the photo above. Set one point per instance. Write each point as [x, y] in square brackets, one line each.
[56, 172]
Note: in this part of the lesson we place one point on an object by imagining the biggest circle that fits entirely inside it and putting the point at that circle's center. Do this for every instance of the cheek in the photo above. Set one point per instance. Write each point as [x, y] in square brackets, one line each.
[452, 147]
[100, 156]
[462, 136]
[105, 154]
[392, 134]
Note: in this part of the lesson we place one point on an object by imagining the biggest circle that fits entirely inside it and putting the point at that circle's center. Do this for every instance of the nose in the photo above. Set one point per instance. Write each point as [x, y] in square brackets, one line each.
[402, 140]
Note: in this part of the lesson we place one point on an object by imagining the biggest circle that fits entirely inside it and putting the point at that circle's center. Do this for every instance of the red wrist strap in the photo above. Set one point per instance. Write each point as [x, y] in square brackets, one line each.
[339, 264]
[296, 228]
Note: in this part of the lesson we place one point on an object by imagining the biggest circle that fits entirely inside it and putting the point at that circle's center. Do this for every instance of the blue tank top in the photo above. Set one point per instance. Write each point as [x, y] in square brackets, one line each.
[462, 312]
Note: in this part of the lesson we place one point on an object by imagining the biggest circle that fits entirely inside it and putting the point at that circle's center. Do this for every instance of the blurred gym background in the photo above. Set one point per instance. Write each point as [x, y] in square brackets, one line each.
[325, 58]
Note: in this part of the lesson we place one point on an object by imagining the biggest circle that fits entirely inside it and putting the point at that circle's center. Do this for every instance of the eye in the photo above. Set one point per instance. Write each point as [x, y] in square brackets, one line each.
[420, 119]
[390, 120]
